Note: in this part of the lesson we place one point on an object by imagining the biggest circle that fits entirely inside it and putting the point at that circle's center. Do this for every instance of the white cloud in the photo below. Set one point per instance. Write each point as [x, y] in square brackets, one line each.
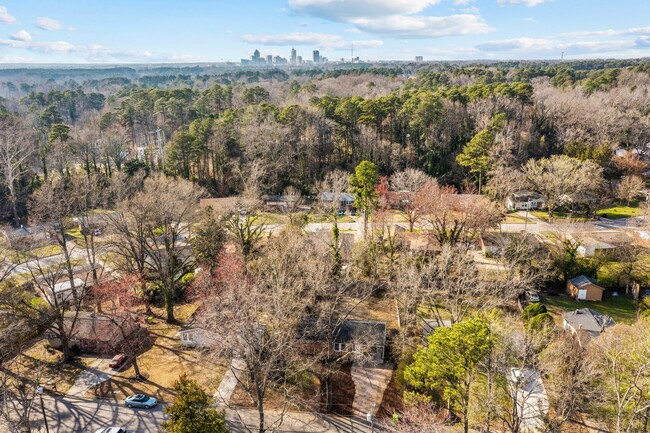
[397, 18]
[424, 27]
[610, 32]
[92, 52]
[45, 23]
[324, 40]
[530, 20]
[21, 35]
[339, 10]
[529, 3]
[544, 45]
[5, 17]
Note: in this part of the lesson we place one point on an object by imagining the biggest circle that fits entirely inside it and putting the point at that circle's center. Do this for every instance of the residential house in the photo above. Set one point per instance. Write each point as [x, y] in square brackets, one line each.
[589, 247]
[95, 332]
[584, 288]
[195, 337]
[346, 200]
[367, 337]
[586, 323]
[25, 236]
[525, 200]
[62, 292]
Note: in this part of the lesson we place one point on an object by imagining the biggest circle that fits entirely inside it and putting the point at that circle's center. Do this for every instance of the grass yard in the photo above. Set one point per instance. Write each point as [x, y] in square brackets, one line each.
[543, 215]
[619, 212]
[514, 218]
[620, 308]
[319, 218]
[163, 363]
[39, 363]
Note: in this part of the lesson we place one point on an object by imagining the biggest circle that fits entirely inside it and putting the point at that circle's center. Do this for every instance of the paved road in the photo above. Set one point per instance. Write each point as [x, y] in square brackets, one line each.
[70, 414]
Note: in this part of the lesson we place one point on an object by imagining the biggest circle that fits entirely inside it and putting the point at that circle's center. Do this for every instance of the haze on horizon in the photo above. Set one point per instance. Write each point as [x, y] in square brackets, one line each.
[75, 31]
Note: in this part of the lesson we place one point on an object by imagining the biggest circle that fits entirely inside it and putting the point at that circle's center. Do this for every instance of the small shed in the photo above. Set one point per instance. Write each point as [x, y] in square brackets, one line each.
[584, 288]
[195, 337]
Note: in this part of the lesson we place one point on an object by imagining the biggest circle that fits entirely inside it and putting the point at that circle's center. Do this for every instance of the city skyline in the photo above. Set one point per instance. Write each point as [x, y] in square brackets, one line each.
[73, 31]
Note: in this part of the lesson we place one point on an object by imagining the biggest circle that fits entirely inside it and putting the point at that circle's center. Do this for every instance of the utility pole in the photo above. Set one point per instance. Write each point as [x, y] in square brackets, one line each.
[39, 390]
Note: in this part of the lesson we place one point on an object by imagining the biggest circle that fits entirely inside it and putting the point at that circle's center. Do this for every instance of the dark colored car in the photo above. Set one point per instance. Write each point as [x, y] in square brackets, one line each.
[118, 361]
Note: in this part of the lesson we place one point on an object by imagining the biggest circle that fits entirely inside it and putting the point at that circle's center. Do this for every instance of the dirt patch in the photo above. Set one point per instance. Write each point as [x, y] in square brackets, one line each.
[303, 397]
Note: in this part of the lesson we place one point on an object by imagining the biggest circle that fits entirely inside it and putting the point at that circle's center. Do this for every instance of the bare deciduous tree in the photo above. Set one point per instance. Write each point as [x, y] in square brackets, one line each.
[629, 188]
[16, 149]
[559, 178]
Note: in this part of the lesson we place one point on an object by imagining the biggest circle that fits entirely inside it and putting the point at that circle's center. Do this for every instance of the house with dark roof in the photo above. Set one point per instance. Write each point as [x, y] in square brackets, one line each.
[584, 288]
[95, 332]
[368, 337]
[586, 323]
[346, 200]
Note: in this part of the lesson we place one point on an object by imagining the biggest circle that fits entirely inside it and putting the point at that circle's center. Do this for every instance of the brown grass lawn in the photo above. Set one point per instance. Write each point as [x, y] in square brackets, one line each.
[37, 362]
[163, 363]
[305, 397]
[373, 308]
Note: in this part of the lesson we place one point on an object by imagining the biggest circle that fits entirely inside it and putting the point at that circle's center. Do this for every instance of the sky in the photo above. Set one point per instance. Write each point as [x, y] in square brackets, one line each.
[156, 31]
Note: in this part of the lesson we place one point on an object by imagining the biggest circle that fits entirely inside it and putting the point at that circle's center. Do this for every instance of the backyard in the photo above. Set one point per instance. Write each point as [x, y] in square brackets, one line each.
[620, 308]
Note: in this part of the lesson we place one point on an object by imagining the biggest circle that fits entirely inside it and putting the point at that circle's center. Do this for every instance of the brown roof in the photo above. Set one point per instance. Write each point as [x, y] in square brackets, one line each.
[100, 327]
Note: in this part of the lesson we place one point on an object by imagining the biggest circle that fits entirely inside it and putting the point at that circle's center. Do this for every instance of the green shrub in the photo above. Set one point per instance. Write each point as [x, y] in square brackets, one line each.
[540, 322]
[533, 310]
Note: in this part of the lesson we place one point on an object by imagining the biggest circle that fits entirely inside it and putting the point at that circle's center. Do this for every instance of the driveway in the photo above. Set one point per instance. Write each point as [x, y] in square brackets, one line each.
[532, 402]
[369, 386]
[93, 375]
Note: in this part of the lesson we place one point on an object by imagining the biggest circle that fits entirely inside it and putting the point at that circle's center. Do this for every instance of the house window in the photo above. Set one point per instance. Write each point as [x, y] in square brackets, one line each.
[339, 347]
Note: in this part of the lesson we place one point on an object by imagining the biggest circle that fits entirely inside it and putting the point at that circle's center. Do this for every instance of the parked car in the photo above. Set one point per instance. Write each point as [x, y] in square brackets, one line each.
[117, 361]
[114, 430]
[531, 296]
[140, 400]
[645, 294]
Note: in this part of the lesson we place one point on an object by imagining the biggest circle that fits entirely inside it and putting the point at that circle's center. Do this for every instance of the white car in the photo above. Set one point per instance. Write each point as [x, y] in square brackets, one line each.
[114, 430]
[532, 296]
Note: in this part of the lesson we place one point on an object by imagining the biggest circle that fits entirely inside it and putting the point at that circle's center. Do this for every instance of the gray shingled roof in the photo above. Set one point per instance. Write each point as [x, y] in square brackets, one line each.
[588, 320]
[369, 332]
[582, 281]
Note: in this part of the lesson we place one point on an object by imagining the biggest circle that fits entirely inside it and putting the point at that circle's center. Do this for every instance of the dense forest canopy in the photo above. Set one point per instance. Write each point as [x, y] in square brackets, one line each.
[462, 123]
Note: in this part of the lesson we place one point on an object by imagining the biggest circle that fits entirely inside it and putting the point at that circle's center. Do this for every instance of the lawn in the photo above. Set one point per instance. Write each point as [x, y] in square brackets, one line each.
[37, 362]
[514, 218]
[618, 212]
[163, 363]
[543, 215]
[620, 308]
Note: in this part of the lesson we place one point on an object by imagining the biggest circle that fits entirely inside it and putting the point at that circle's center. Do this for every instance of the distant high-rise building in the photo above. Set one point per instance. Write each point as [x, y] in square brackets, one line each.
[293, 56]
[299, 60]
[419, 59]
[316, 56]
[269, 59]
[279, 60]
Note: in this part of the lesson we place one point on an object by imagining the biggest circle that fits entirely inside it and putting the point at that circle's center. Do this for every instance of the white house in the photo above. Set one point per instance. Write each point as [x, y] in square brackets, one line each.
[590, 247]
[525, 200]
[195, 337]
[63, 291]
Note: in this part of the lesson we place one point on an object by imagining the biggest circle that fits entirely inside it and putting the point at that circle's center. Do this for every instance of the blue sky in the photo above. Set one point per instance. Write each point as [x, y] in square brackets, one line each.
[135, 31]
